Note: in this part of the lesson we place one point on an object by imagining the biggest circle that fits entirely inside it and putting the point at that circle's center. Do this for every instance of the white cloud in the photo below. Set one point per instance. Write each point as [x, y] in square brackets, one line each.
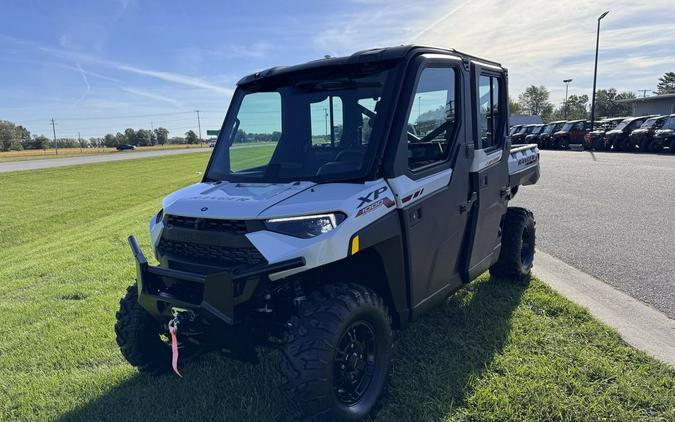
[541, 42]
[151, 95]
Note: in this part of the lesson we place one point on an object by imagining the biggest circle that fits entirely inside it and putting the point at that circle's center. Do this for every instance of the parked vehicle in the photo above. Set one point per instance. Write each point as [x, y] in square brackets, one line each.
[572, 132]
[643, 137]
[319, 250]
[618, 137]
[596, 139]
[514, 129]
[665, 136]
[123, 147]
[531, 138]
[547, 132]
[519, 136]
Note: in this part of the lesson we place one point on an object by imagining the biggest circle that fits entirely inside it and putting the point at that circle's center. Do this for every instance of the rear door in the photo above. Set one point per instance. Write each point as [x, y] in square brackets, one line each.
[489, 173]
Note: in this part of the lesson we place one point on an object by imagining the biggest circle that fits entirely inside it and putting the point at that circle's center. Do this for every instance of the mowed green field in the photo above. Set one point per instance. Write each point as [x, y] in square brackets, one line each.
[495, 351]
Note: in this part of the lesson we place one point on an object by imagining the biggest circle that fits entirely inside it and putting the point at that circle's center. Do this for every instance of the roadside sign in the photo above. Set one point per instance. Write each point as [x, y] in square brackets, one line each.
[212, 132]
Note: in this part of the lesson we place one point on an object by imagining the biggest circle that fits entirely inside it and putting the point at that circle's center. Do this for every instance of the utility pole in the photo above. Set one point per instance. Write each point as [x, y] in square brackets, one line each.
[199, 125]
[643, 91]
[79, 140]
[567, 85]
[152, 127]
[56, 144]
[595, 72]
[419, 108]
[325, 119]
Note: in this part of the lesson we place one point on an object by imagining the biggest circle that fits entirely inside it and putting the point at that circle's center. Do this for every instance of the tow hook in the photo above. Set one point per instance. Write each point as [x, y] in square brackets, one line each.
[179, 317]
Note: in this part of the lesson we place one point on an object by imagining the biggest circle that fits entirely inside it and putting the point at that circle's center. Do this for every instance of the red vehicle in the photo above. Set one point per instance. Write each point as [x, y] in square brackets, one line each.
[572, 132]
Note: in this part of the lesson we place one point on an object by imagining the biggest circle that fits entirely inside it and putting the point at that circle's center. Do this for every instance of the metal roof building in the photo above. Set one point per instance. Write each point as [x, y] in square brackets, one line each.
[657, 104]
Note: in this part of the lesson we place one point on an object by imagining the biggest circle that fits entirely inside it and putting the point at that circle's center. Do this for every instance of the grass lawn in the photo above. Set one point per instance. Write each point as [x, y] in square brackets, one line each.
[495, 351]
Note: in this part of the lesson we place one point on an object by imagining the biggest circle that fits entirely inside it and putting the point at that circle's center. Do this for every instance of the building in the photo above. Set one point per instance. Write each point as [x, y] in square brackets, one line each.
[657, 104]
[519, 119]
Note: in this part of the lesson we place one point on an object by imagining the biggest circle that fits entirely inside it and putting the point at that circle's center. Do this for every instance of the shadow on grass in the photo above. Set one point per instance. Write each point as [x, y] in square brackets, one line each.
[435, 361]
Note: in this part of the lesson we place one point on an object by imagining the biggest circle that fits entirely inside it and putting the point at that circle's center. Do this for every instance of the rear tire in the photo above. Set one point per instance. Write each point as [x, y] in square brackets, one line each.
[518, 245]
[337, 353]
[138, 336]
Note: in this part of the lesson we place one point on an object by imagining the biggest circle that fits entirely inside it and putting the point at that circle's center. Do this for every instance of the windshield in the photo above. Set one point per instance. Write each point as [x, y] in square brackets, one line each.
[291, 128]
[649, 123]
[514, 130]
[524, 129]
[623, 124]
[567, 126]
[537, 129]
[669, 124]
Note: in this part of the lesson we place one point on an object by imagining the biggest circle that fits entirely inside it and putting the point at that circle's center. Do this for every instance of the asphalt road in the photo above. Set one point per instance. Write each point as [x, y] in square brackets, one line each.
[613, 218]
[88, 159]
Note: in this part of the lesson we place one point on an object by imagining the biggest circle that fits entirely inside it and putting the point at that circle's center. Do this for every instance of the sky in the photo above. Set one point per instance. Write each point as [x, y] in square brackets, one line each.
[102, 66]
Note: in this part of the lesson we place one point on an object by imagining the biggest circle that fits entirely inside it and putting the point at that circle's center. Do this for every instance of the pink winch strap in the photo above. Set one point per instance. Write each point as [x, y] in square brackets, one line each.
[174, 349]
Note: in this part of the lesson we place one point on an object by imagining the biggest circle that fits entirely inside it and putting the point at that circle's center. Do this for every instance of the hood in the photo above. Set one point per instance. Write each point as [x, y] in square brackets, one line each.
[664, 132]
[638, 132]
[615, 132]
[561, 133]
[228, 200]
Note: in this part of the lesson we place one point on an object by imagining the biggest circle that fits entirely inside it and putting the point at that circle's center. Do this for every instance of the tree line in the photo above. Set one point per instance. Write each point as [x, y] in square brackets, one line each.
[535, 101]
[15, 137]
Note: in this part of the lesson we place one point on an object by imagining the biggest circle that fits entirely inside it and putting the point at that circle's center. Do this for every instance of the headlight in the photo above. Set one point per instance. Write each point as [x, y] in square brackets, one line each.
[305, 226]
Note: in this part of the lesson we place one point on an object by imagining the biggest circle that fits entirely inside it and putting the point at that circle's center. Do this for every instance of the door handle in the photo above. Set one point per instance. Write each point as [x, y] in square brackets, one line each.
[464, 206]
[415, 216]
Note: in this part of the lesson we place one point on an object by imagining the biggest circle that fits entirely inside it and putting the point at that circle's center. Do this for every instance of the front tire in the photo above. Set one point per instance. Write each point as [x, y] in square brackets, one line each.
[138, 336]
[518, 245]
[337, 353]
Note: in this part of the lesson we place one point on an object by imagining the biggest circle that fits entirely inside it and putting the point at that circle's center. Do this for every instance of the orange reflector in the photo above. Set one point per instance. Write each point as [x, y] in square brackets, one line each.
[355, 244]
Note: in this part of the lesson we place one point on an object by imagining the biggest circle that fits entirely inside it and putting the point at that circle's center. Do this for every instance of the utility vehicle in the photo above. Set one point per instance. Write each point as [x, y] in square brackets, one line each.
[519, 137]
[382, 187]
[572, 132]
[665, 136]
[643, 137]
[544, 139]
[596, 139]
[533, 137]
[618, 137]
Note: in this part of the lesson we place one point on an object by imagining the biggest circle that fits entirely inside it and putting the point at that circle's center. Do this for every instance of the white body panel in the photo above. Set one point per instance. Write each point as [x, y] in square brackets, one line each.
[522, 158]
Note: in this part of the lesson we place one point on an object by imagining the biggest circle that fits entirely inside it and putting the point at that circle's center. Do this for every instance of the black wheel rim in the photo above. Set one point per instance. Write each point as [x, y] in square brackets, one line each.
[354, 366]
[527, 248]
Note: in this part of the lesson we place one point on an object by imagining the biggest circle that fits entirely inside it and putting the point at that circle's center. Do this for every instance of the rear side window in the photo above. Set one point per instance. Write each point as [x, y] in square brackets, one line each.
[433, 117]
[488, 112]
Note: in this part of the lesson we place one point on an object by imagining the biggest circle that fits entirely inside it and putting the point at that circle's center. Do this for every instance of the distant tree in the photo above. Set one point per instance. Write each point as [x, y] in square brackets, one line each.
[666, 84]
[121, 138]
[38, 142]
[576, 107]
[162, 135]
[176, 140]
[607, 105]
[514, 107]
[535, 100]
[109, 140]
[130, 137]
[11, 136]
[191, 137]
[144, 138]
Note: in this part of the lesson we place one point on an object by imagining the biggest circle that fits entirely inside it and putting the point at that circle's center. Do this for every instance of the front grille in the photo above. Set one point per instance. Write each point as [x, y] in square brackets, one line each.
[207, 224]
[211, 254]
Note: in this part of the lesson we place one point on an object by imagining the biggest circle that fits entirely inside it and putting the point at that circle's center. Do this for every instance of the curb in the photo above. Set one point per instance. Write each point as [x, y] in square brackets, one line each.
[639, 325]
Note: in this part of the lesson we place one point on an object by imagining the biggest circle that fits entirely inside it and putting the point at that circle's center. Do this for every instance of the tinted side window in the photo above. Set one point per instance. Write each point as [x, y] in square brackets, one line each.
[488, 112]
[433, 117]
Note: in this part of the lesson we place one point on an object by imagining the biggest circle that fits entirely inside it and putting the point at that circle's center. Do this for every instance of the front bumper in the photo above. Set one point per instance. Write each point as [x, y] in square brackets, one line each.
[219, 294]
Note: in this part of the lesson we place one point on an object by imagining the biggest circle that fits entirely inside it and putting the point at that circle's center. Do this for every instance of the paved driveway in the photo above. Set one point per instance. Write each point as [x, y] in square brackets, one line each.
[613, 218]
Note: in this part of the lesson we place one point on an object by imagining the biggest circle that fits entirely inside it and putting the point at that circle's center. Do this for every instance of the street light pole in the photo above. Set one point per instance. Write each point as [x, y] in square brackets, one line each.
[595, 71]
[567, 85]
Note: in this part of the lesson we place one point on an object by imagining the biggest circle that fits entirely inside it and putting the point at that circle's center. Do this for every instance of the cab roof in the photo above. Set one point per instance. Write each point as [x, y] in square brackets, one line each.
[364, 56]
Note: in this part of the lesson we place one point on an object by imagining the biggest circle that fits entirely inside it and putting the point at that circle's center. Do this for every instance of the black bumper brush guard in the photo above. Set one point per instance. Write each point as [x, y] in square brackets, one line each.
[160, 289]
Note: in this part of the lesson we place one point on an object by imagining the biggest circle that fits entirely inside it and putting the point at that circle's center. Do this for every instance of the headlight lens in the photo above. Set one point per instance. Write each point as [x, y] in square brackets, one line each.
[306, 226]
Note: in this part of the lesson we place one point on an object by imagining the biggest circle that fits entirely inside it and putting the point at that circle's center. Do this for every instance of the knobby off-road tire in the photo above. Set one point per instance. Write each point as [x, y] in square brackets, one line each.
[340, 338]
[138, 336]
[518, 242]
